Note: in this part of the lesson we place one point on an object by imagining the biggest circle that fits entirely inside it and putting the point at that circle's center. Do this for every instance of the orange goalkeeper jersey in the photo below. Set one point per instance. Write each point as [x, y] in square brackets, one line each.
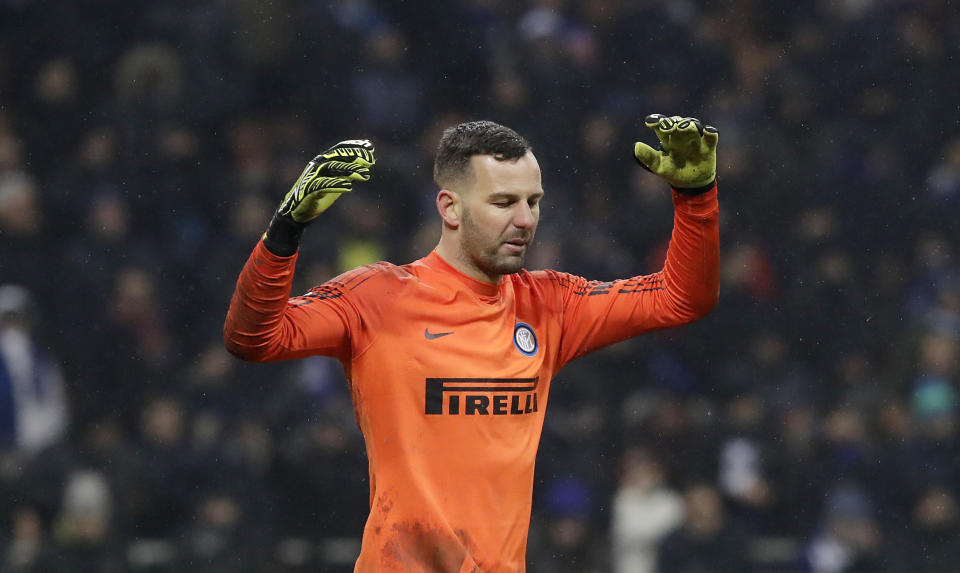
[450, 378]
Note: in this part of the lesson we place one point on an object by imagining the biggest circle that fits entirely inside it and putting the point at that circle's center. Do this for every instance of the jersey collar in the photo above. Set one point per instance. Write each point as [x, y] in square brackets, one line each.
[481, 288]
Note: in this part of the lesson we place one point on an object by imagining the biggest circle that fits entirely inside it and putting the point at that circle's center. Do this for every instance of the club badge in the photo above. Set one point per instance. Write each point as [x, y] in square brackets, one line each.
[525, 339]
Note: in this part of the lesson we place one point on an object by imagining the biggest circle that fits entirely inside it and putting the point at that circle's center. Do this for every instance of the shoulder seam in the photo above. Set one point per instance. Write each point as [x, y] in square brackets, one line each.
[347, 281]
[377, 269]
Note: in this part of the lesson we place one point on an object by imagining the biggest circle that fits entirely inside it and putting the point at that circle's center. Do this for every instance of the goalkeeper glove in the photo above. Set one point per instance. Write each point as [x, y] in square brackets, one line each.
[323, 180]
[687, 158]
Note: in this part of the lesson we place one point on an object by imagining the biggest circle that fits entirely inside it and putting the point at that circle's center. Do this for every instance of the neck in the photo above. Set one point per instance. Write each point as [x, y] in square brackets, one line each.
[450, 251]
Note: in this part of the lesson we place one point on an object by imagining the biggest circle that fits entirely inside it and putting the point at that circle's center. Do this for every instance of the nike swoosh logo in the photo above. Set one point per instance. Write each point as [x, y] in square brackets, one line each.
[431, 335]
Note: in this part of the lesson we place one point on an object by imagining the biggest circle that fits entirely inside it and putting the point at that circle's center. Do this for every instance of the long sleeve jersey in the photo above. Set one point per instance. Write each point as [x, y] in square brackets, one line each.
[450, 378]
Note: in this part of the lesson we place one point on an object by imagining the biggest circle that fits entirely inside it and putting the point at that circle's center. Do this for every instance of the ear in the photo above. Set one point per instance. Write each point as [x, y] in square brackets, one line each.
[449, 206]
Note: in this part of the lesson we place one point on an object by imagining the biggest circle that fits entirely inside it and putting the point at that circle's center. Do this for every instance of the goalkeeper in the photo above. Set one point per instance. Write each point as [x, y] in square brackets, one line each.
[450, 357]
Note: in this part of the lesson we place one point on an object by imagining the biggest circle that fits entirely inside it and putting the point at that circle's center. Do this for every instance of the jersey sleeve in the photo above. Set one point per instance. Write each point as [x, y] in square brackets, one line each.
[596, 314]
[263, 324]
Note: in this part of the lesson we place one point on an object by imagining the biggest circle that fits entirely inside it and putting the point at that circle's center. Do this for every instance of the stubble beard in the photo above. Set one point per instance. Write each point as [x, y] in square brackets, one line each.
[486, 257]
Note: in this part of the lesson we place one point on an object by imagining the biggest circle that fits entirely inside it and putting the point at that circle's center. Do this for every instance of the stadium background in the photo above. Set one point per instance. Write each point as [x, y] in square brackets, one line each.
[808, 424]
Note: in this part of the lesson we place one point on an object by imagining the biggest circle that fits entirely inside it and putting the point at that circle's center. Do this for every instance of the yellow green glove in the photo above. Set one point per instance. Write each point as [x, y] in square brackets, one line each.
[327, 177]
[687, 158]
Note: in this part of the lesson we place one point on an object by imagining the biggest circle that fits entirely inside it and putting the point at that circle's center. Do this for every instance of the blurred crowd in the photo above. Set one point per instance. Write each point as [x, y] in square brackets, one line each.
[810, 423]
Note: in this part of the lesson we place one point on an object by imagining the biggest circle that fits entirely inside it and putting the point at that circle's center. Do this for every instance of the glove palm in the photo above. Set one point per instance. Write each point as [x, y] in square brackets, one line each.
[687, 158]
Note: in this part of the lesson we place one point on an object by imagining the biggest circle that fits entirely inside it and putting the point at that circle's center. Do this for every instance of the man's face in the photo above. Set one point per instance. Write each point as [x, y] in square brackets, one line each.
[501, 208]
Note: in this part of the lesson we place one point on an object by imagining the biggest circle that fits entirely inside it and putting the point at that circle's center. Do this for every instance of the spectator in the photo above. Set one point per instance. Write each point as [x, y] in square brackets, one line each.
[569, 539]
[220, 538]
[85, 529]
[645, 510]
[930, 541]
[33, 403]
[797, 472]
[166, 467]
[850, 539]
[28, 549]
[23, 222]
[743, 478]
[706, 541]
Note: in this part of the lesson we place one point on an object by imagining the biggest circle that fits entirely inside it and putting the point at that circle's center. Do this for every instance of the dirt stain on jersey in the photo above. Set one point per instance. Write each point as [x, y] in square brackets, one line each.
[416, 546]
[383, 510]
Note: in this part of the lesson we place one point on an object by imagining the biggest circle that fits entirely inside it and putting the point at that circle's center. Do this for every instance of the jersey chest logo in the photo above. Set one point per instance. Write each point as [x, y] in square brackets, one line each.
[525, 339]
[481, 396]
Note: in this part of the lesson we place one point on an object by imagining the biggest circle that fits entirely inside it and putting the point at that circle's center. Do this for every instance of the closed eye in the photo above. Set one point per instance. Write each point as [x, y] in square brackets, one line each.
[504, 200]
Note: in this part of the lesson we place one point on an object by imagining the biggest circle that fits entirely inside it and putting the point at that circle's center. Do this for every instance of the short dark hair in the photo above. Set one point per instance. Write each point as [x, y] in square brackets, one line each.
[461, 142]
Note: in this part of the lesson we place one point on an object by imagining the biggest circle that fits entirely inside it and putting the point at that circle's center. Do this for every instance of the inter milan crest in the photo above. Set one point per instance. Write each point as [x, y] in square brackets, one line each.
[525, 339]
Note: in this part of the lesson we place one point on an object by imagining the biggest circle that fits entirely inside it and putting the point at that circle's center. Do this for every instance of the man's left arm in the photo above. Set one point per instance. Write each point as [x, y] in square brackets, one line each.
[596, 314]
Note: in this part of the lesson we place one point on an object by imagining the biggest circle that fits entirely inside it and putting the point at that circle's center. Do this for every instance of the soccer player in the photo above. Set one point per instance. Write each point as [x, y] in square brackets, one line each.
[450, 357]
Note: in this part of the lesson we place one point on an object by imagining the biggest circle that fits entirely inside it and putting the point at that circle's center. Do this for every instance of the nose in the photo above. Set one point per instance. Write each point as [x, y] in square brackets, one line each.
[524, 217]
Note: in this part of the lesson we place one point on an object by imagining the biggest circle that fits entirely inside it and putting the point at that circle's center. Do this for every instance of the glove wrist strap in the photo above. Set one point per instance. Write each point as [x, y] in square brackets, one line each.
[283, 236]
[693, 191]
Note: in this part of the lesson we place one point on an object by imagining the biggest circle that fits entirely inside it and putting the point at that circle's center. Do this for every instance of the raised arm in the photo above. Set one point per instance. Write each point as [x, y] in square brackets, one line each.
[263, 323]
[596, 314]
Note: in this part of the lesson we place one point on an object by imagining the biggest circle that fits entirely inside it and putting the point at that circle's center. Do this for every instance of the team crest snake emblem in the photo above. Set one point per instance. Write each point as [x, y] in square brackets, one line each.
[525, 339]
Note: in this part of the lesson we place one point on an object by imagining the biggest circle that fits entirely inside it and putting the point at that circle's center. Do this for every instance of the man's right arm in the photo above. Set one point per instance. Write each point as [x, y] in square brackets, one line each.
[337, 318]
[263, 323]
